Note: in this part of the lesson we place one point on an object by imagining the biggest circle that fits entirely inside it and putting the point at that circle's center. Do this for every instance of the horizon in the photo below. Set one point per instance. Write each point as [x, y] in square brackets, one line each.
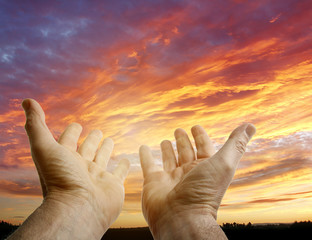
[256, 224]
[232, 231]
[138, 70]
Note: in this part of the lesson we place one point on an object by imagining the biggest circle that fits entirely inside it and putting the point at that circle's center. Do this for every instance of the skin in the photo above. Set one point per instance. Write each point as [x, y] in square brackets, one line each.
[181, 200]
[78, 191]
[81, 199]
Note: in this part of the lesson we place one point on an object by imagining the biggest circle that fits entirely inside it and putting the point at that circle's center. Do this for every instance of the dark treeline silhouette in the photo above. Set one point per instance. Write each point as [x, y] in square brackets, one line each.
[6, 229]
[296, 230]
[128, 233]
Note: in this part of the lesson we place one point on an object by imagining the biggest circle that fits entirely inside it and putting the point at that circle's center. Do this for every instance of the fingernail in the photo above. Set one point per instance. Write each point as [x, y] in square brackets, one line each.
[26, 104]
[250, 130]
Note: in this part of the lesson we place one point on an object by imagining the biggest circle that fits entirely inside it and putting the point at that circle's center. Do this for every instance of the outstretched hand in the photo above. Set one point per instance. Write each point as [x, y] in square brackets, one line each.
[191, 187]
[74, 177]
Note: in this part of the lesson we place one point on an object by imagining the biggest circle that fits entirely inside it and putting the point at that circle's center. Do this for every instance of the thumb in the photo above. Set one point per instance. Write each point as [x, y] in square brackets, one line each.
[36, 128]
[234, 148]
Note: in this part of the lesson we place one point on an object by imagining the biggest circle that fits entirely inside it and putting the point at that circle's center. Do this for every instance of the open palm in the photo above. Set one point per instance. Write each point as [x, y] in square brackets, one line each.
[69, 175]
[193, 184]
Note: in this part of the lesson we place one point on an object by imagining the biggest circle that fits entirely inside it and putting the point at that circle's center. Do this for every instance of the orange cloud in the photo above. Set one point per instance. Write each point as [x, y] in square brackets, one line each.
[140, 76]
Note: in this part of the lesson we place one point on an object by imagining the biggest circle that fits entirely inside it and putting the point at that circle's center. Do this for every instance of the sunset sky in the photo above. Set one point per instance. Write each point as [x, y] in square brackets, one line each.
[138, 70]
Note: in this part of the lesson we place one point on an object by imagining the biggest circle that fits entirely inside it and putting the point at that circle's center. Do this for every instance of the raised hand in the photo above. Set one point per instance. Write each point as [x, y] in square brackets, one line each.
[76, 179]
[187, 192]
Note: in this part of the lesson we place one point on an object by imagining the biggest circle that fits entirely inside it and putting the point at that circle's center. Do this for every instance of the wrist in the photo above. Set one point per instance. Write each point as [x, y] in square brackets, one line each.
[187, 225]
[61, 219]
[77, 217]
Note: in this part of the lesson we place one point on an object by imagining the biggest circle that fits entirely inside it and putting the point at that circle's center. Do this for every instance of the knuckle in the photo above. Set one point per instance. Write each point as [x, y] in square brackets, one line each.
[203, 153]
[200, 140]
[225, 165]
[26, 126]
[92, 167]
[241, 145]
[32, 119]
[29, 123]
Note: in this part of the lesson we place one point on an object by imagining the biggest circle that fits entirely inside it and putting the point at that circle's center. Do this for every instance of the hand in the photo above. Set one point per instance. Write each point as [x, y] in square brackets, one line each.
[76, 179]
[190, 189]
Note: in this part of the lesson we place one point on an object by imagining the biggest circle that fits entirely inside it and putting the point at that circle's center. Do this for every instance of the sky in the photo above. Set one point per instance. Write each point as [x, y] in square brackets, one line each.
[138, 70]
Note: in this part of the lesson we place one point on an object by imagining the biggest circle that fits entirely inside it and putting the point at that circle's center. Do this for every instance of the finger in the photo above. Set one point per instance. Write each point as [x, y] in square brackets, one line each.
[235, 147]
[184, 146]
[147, 161]
[38, 133]
[89, 146]
[168, 156]
[103, 154]
[122, 169]
[40, 137]
[204, 146]
[70, 136]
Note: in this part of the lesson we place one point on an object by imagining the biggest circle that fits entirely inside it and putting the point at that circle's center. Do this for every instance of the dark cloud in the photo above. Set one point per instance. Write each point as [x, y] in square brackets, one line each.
[299, 193]
[191, 101]
[181, 114]
[13, 139]
[247, 204]
[222, 97]
[46, 47]
[20, 188]
[67, 52]
[277, 168]
[279, 198]
[271, 200]
[211, 100]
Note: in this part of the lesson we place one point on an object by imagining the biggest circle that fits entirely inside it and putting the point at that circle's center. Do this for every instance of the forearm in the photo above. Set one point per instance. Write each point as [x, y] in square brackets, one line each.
[189, 226]
[56, 220]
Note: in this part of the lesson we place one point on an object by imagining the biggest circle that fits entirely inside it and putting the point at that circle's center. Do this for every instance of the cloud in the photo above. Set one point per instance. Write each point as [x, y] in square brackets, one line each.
[270, 172]
[213, 99]
[133, 197]
[20, 188]
[137, 70]
[269, 201]
[299, 193]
